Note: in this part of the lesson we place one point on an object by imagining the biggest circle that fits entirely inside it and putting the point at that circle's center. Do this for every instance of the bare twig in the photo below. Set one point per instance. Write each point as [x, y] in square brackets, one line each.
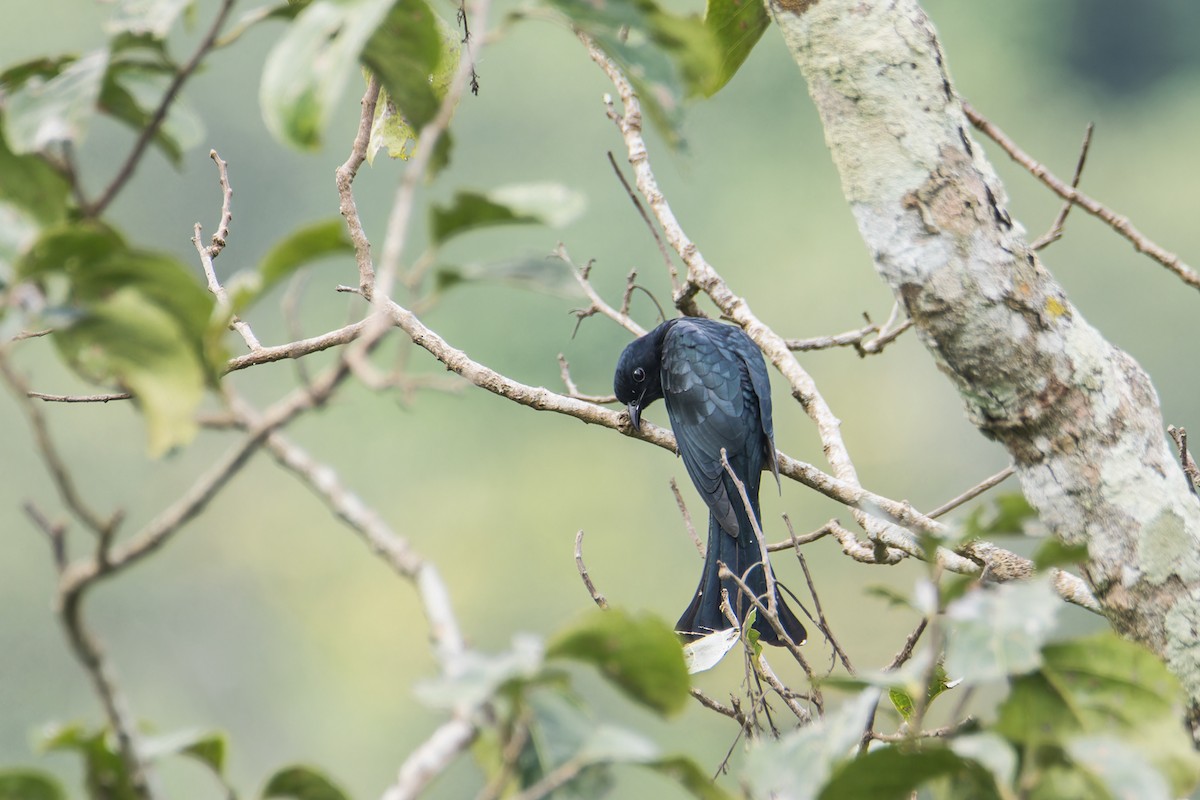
[599, 599]
[53, 460]
[432, 757]
[222, 235]
[973, 492]
[1179, 436]
[906, 651]
[127, 168]
[79, 398]
[662, 247]
[1118, 223]
[822, 622]
[598, 304]
[564, 371]
[944, 732]
[345, 179]
[297, 349]
[687, 519]
[207, 254]
[858, 338]
[733, 712]
[1056, 228]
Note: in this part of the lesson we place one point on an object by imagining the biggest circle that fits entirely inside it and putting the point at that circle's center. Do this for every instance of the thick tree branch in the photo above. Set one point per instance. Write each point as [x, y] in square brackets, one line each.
[1079, 417]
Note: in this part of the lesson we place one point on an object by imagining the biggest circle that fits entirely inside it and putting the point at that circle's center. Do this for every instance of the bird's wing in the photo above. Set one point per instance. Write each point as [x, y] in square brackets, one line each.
[760, 381]
[703, 385]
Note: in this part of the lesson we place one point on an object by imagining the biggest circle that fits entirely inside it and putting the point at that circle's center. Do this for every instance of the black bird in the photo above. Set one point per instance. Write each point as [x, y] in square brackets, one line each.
[718, 395]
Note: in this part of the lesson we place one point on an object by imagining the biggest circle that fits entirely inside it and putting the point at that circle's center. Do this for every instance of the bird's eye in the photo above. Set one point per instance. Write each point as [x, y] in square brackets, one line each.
[639, 374]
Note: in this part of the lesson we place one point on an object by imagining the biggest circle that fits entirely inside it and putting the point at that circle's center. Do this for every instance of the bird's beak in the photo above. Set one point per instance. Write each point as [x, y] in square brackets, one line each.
[635, 416]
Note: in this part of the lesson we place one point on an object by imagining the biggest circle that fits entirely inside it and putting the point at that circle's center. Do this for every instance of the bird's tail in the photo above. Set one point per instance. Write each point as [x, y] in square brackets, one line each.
[742, 556]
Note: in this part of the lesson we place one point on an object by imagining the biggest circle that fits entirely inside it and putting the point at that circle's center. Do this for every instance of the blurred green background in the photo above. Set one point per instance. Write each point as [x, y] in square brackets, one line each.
[268, 619]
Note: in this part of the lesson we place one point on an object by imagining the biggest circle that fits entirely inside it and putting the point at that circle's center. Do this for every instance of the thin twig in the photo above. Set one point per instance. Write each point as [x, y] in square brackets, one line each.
[1056, 228]
[1179, 436]
[822, 622]
[599, 599]
[564, 371]
[687, 519]
[1117, 222]
[598, 304]
[973, 492]
[344, 177]
[80, 398]
[662, 247]
[222, 235]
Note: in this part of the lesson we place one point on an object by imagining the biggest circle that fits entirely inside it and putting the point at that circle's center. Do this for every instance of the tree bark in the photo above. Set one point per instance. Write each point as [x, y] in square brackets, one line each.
[1079, 417]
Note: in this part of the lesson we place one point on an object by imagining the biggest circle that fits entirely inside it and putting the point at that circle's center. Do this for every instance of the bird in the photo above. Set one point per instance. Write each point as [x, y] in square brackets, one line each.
[714, 383]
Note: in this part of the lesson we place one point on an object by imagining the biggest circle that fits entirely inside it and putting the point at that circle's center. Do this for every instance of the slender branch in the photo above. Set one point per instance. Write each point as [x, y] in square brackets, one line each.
[432, 757]
[297, 349]
[944, 732]
[1056, 228]
[599, 599]
[344, 177]
[662, 247]
[79, 398]
[687, 519]
[973, 492]
[1118, 223]
[598, 304]
[222, 235]
[207, 254]
[1179, 436]
[564, 371]
[53, 460]
[733, 712]
[125, 172]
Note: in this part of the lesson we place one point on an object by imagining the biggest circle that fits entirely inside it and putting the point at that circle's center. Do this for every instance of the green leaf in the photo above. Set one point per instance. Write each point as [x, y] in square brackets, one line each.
[33, 185]
[207, 747]
[137, 318]
[992, 753]
[104, 770]
[799, 763]
[301, 247]
[1123, 770]
[307, 70]
[666, 57]
[532, 203]
[414, 54]
[146, 17]
[129, 339]
[479, 676]
[558, 730]
[301, 782]
[1006, 515]
[939, 682]
[999, 631]
[27, 784]
[44, 112]
[1103, 685]
[888, 773]
[42, 67]
[737, 25]
[639, 653]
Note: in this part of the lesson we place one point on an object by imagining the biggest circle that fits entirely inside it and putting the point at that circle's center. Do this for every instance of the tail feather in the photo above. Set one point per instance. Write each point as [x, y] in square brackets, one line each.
[742, 556]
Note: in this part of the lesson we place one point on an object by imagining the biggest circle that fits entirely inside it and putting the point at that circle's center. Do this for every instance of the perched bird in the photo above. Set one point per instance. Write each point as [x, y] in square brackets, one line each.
[714, 382]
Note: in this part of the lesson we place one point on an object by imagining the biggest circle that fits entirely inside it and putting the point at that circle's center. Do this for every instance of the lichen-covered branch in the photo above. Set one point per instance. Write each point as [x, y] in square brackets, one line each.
[1078, 416]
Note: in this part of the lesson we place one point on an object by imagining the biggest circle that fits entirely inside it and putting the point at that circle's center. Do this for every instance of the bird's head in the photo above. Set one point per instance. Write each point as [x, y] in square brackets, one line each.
[638, 380]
